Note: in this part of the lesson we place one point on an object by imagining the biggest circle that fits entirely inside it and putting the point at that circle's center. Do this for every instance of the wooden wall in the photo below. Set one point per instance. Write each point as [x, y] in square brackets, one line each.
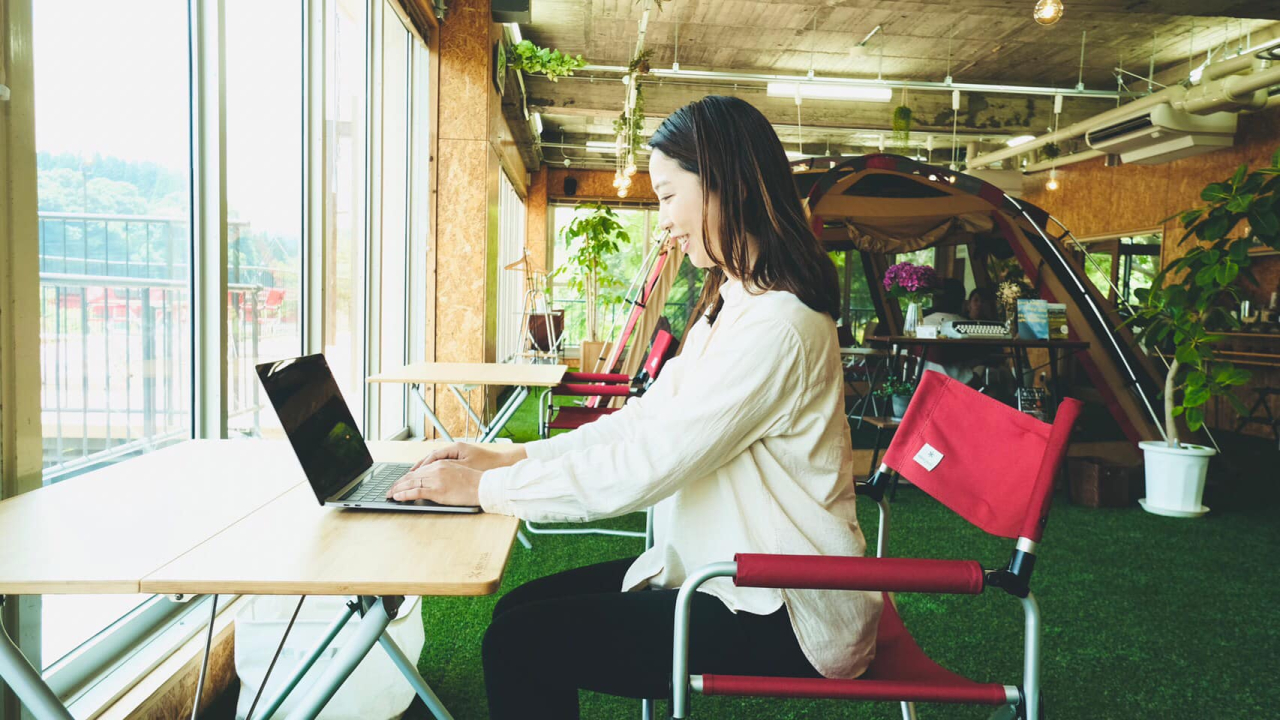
[1096, 200]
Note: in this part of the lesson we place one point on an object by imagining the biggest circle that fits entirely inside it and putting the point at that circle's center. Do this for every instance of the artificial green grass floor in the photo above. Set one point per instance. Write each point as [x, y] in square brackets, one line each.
[1143, 616]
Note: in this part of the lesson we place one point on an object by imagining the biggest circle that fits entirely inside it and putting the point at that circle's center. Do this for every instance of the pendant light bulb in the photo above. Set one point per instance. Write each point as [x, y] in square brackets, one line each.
[617, 180]
[630, 170]
[1053, 181]
[1048, 12]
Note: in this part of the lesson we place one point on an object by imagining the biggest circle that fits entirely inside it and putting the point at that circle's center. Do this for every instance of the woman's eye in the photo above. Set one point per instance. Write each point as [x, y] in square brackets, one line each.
[664, 198]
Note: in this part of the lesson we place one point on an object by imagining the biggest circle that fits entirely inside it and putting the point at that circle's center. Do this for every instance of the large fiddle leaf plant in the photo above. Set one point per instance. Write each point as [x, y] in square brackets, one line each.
[594, 237]
[1190, 301]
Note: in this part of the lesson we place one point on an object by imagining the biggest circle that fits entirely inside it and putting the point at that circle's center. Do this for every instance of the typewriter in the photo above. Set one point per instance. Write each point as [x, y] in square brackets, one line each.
[973, 329]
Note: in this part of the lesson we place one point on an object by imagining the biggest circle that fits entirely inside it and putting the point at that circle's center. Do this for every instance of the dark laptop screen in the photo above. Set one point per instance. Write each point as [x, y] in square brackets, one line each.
[317, 421]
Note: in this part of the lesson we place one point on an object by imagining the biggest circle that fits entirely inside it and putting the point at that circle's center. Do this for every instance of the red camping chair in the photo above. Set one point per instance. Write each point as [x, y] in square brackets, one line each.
[661, 349]
[604, 385]
[1005, 493]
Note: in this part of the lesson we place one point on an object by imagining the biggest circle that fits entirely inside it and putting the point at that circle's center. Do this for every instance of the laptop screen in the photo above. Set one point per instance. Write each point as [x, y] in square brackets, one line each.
[317, 421]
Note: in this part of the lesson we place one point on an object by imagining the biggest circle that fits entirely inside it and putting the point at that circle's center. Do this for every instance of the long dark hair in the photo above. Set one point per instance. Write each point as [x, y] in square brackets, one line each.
[733, 149]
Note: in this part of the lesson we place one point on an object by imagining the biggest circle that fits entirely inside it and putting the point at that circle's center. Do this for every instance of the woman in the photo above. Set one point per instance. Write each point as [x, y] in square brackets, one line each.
[741, 445]
[981, 305]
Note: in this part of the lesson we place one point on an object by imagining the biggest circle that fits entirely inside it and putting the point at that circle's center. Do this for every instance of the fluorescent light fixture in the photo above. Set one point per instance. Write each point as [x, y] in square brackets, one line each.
[537, 123]
[1019, 140]
[797, 155]
[830, 91]
[515, 32]
[602, 146]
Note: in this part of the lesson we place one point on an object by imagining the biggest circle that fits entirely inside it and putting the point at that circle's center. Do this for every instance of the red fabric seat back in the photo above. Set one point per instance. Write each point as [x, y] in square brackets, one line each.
[663, 347]
[995, 466]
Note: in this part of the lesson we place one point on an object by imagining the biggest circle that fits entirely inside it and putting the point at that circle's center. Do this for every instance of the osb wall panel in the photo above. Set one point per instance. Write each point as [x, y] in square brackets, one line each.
[461, 232]
[464, 71]
[535, 222]
[596, 185]
[1098, 200]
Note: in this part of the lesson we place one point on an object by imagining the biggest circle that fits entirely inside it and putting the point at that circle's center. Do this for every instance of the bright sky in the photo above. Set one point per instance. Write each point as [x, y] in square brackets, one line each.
[112, 79]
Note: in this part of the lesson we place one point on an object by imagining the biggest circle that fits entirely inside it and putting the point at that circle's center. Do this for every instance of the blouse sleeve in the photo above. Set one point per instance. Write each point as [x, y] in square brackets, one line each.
[741, 389]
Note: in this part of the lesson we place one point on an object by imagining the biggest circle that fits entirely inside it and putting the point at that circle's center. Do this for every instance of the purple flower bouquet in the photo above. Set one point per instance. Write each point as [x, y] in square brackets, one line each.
[912, 282]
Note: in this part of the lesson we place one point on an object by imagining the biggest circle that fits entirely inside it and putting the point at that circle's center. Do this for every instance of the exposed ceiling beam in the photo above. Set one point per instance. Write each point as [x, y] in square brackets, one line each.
[998, 114]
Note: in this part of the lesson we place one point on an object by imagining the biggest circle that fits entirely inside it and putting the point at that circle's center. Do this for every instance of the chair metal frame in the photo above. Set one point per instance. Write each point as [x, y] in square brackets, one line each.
[1022, 701]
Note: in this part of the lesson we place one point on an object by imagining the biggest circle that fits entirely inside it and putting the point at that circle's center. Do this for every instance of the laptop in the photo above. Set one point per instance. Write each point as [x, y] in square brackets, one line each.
[327, 442]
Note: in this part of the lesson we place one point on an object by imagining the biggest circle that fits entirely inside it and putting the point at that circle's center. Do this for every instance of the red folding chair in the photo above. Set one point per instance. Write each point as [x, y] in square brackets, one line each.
[603, 385]
[568, 417]
[946, 447]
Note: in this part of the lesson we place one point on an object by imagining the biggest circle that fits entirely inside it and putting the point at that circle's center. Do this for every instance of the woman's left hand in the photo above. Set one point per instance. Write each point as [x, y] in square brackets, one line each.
[443, 481]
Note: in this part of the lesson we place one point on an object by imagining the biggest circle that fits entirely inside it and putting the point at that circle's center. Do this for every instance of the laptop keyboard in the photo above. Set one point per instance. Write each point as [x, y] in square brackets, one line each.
[375, 487]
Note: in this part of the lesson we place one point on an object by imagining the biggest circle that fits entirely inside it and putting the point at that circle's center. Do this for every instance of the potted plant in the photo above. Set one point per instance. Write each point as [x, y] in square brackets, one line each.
[1189, 302]
[912, 283]
[898, 392]
[593, 237]
[535, 60]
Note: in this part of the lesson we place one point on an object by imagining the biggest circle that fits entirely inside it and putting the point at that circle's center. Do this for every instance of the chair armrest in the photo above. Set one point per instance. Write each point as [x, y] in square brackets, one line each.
[597, 377]
[592, 390]
[817, 572]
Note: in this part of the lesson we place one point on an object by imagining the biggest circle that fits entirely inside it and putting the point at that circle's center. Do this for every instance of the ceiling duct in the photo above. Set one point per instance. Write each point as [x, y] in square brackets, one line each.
[1162, 134]
[512, 11]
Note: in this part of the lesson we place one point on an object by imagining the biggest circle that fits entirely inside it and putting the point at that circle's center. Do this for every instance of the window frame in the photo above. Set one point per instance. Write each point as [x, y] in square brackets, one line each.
[91, 675]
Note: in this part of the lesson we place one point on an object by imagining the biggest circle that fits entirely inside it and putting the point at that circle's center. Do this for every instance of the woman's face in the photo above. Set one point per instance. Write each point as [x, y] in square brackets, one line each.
[680, 207]
[975, 306]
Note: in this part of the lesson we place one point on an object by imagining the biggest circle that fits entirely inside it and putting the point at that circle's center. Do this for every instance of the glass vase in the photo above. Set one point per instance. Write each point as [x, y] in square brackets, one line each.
[912, 318]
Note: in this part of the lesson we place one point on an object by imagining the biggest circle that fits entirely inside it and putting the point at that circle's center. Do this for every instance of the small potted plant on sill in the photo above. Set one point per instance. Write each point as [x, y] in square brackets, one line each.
[913, 283]
[1189, 302]
[898, 393]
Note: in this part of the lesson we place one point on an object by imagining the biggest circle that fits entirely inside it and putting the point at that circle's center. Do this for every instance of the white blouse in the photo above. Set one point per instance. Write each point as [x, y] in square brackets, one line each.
[741, 446]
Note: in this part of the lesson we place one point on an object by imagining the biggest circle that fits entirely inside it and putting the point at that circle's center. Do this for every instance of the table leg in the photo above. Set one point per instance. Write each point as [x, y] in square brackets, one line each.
[416, 390]
[269, 710]
[482, 429]
[410, 672]
[504, 415]
[1054, 390]
[367, 631]
[31, 689]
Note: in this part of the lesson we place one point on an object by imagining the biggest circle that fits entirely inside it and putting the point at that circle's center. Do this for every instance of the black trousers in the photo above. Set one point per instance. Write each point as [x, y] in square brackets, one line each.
[574, 630]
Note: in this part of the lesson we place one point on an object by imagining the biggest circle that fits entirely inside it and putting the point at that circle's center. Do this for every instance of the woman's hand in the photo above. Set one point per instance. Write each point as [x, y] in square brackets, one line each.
[447, 482]
[476, 457]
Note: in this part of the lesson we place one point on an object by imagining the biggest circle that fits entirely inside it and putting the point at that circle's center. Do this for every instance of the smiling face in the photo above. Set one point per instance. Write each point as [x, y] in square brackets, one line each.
[680, 207]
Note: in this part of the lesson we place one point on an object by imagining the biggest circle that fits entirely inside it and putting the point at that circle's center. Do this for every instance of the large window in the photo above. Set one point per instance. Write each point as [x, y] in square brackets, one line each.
[264, 202]
[392, 230]
[117, 251]
[345, 239]
[641, 225]
[1120, 266]
[512, 278]
[112, 119]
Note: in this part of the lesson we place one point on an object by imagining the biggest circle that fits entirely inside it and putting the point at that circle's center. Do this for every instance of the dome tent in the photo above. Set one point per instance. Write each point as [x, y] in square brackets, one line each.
[882, 205]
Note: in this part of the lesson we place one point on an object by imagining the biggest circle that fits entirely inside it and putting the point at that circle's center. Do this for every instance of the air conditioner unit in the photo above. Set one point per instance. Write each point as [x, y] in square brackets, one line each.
[1162, 134]
[516, 11]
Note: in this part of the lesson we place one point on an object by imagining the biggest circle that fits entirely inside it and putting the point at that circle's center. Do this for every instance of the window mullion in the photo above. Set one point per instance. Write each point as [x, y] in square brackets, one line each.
[208, 217]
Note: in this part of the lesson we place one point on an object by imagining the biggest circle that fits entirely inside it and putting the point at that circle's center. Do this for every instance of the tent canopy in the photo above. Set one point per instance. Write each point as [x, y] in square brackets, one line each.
[883, 205]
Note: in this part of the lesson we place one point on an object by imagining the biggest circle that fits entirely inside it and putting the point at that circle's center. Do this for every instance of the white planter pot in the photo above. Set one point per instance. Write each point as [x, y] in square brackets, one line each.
[1175, 478]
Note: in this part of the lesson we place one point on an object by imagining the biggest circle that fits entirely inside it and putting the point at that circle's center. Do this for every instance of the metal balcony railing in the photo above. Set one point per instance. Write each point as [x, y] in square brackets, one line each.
[115, 340]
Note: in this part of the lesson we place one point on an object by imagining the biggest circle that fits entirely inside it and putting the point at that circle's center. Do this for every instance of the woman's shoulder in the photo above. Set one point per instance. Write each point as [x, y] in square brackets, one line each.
[784, 315]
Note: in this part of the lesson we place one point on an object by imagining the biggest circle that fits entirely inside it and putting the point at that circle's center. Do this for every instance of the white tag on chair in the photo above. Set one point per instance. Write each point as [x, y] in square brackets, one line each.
[928, 457]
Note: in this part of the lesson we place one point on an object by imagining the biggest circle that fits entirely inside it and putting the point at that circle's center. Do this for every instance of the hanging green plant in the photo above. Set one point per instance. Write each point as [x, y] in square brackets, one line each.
[535, 60]
[901, 126]
[640, 63]
[1051, 150]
